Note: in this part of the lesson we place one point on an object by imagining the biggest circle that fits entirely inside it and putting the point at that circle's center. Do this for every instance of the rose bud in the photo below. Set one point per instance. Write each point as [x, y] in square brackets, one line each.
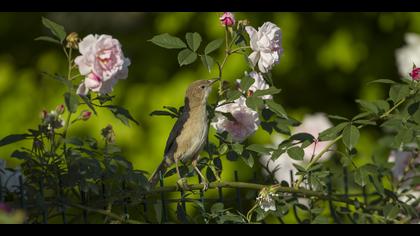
[85, 115]
[415, 73]
[227, 19]
[60, 109]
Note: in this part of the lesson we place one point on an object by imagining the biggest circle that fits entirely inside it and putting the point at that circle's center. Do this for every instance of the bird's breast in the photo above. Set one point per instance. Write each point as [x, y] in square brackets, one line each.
[193, 136]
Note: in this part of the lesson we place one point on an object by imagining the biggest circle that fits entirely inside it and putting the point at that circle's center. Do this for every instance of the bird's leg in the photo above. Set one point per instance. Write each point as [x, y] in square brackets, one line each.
[182, 182]
[203, 179]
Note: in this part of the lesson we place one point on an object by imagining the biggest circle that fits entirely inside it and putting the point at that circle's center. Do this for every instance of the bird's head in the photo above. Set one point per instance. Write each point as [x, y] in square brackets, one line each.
[198, 92]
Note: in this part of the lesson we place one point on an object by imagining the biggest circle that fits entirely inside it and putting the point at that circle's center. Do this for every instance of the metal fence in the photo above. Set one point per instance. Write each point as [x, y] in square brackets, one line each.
[83, 204]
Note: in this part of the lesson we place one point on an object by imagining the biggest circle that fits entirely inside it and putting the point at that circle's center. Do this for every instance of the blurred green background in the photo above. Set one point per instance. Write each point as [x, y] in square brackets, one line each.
[328, 59]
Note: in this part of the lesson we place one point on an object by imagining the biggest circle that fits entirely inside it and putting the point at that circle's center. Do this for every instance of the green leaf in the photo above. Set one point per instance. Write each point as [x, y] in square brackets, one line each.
[47, 39]
[74, 140]
[254, 102]
[163, 113]
[72, 102]
[21, 155]
[399, 92]
[238, 148]
[361, 115]
[186, 57]
[233, 95]
[382, 81]
[296, 153]
[334, 117]
[208, 62]
[333, 132]
[216, 208]
[248, 160]
[391, 211]
[55, 29]
[246, 82]
[360, 177]
[270, 91]
[13, 138]
[259, 148]
[276, 108]
[122, 114]
[364, 122]
[213, 45]
[368, 106]
[377, 184]
[193, 40]
[168, 41]
[351, 136]
[299, 168]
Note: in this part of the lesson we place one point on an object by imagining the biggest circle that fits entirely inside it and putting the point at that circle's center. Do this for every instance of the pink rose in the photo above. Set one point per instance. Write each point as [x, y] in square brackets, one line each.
[415, 73]
[102, 62]
[245, 124]
[227, 19]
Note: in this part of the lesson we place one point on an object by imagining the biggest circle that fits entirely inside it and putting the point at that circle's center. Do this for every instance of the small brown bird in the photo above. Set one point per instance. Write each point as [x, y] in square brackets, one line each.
[189, 134]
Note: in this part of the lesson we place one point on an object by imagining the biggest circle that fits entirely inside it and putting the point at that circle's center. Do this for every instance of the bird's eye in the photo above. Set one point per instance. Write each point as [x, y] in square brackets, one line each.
[202, 86]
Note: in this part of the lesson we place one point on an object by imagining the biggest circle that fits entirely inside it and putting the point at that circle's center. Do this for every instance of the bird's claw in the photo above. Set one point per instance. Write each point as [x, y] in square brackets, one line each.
[183, 184]
[206, 185]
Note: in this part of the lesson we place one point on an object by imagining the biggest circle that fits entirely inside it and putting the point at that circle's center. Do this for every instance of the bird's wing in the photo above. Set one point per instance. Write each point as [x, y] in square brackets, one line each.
[176, 130]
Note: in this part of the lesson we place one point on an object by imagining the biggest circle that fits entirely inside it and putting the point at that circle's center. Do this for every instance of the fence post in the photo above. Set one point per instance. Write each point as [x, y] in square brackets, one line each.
[162, 195]
[238, 192]
[330, 203]
[44, 211]
[83, 199]
[62, 199]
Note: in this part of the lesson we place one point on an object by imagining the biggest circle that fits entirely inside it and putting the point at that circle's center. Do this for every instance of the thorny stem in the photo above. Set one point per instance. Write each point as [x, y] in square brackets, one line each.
[66, 127]
[319, 155]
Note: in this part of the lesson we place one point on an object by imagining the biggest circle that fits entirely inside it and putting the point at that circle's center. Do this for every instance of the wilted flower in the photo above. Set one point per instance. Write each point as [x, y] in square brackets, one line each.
[72, 40]
[266, 44]
[415, 73]
[409, 54]
[102, 62]
[108, 134]
[245, 121]
[227, 19]
[259, 84]
[266, 201]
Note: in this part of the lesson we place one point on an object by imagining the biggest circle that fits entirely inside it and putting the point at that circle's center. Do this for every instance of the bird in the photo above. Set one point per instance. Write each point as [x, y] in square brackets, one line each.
[189, 134]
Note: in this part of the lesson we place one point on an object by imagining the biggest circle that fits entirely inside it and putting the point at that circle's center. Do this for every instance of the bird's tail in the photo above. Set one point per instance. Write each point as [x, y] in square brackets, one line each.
[156, 174]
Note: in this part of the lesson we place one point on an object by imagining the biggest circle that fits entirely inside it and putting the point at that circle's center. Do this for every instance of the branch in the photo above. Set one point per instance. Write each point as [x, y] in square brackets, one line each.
[301, 192]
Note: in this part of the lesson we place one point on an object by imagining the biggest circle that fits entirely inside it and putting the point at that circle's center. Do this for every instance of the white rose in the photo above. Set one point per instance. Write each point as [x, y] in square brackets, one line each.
[245, 124]
[266, 44]
[259, 84]
[409, 54]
